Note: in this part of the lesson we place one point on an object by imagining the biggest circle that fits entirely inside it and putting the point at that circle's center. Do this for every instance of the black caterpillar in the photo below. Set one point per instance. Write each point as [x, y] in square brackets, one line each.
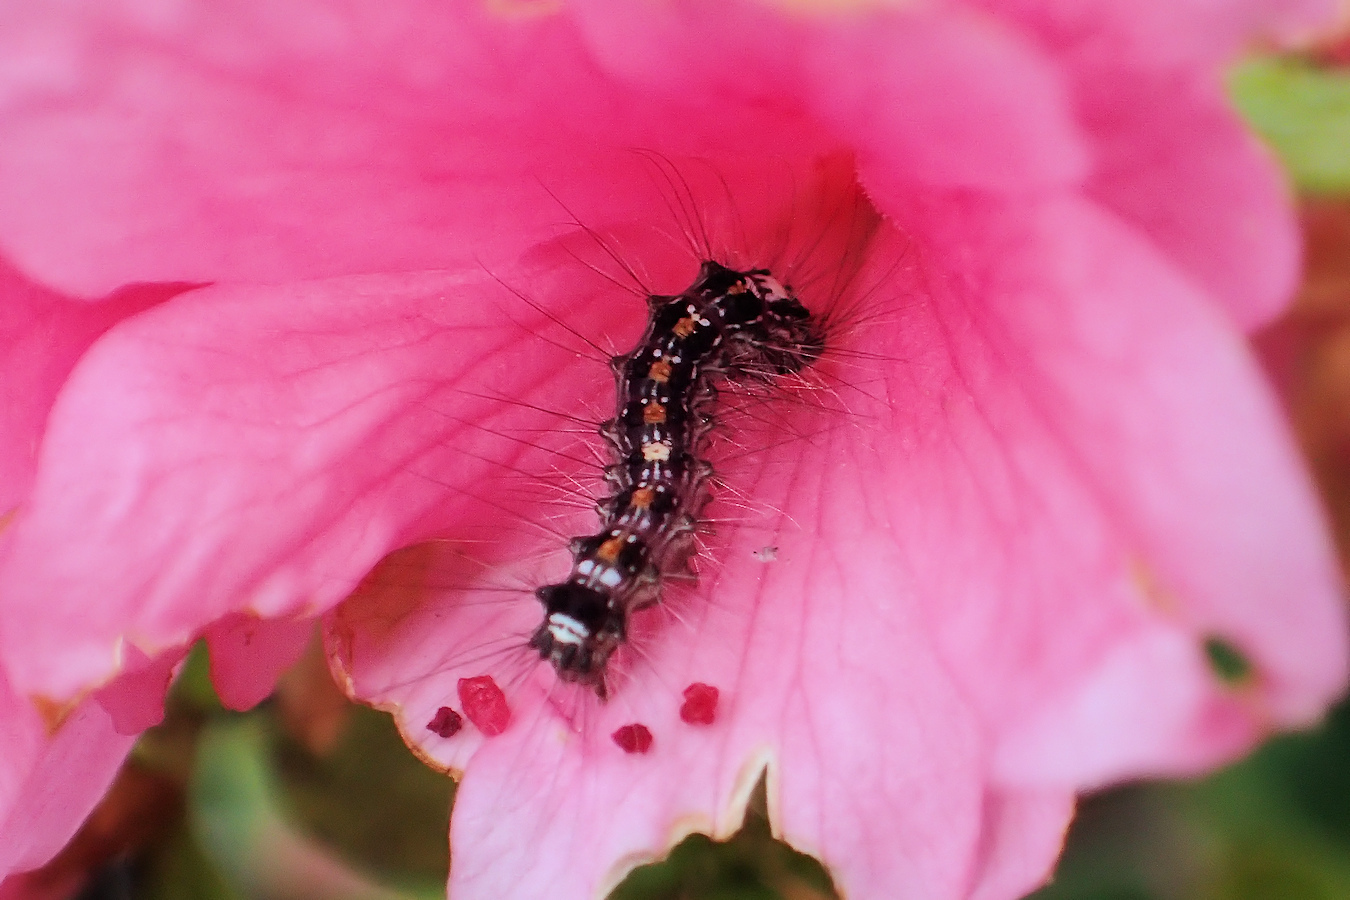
[728, 325]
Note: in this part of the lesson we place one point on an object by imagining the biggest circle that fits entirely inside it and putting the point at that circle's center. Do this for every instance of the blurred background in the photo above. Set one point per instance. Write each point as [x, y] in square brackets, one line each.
[309, 796]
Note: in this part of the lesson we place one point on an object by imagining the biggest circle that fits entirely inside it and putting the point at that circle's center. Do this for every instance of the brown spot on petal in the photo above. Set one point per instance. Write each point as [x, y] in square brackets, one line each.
[53, 712]
[393, 590]
[1151, 591]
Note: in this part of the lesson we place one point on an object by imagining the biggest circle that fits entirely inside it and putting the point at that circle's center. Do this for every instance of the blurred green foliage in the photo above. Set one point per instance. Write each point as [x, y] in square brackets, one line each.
[750, 866]
[1275, 826]
[1227, 662]
[1303, 110]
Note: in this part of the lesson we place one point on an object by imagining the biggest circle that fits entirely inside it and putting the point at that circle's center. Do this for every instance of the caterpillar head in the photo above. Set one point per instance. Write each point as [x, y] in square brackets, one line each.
[579, 633]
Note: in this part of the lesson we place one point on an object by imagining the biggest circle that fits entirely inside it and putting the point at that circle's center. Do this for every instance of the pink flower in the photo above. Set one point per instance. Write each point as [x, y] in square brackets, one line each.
[1045, 475]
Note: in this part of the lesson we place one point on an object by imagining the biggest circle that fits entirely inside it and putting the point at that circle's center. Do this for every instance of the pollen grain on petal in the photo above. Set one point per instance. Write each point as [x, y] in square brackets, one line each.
[446, 722]
[700, 704]
[484, 704]
[633, 738]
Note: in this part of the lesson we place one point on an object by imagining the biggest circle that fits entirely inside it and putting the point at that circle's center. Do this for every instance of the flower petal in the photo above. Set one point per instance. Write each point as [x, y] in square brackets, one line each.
[48, 785]
[943, 97]
[1108, 726]
[1161, 34]
[248, 654]
[42, 335]
[867, 746]
[135, 699]
[1024, 832]
[254, 443]
[863, 766]
[279, 142]
[1160, 413]
[1174, 160]
[1169, 154]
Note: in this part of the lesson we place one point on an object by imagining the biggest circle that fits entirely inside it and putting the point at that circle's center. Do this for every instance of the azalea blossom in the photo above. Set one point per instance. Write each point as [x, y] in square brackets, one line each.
[294, 287]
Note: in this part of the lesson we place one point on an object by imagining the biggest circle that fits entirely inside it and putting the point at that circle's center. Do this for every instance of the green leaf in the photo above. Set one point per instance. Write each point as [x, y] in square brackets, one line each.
[237, 818]
[752, 865]
[1227, 662]
[1303, 111]
[179, 870]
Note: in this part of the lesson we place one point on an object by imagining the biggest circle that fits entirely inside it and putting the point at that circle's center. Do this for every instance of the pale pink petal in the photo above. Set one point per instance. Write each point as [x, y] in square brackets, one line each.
[1144, 387]
[1173, 158]
[1168, 152]
[872, 764]
[233, 451]
[248, 654]
[23, 739]
[255, 140]
[135, 699]
[261, 141]
[1024, 832]
[910, 89]
[273, 142]
[42, 335]
[1161, 34]
[889, 800]
[48, 785]
[1104, 727]
[1194, 459]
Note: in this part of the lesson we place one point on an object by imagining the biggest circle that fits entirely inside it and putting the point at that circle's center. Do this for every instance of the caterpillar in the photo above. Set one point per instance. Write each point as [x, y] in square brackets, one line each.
[792, 293]
[729, 324]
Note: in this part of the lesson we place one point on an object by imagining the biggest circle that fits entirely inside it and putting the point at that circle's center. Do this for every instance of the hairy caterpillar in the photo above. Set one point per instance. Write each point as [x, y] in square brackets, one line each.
[578, 300]
[728, 325]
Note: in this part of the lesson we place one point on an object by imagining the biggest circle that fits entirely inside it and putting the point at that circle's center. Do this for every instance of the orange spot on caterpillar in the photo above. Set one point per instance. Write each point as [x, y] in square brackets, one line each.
[659, 371]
